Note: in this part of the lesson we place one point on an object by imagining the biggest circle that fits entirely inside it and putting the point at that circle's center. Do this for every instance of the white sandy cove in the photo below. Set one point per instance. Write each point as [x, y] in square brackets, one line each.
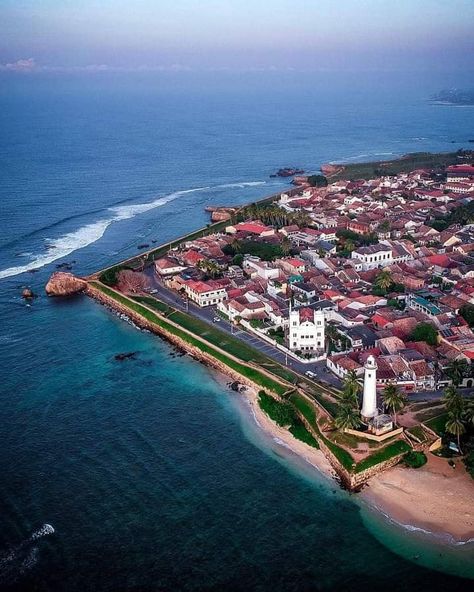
[435, 498]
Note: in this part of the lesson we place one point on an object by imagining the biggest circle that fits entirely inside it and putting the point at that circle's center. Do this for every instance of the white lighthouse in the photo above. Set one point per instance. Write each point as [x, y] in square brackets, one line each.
[369, 401]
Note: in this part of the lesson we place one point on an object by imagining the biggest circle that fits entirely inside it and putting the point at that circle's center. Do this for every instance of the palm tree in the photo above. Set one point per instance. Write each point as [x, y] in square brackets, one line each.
[347, 417]
[286, 246]
[468, 412]
[454, 401]
[455, 426]
[457, 370]
[236, 245]
[384, 280]
[351, 389]
[394, 400]
[349, 245]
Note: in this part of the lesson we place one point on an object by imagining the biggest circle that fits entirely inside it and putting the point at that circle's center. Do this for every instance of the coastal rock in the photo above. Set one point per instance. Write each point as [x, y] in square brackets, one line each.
[288, 172]
[28, 294]
[62, 283]
[331, 169]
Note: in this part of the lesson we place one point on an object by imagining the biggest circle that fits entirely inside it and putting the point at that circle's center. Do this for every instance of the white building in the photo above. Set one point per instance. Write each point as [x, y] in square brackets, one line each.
[369, 401]
[306, 329]
[254, 266]
[204, 293]
[374, 256]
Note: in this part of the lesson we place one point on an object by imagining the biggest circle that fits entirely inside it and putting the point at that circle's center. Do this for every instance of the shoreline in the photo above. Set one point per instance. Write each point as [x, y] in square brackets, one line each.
[406, 498]
[435, 500]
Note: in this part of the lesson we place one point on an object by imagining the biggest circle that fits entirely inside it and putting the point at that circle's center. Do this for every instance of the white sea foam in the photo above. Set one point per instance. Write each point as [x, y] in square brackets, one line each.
[63, 246]
[43, 531]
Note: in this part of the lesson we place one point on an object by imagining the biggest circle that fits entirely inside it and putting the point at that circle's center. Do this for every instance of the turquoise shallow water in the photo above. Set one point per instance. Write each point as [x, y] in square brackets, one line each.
[151, 473]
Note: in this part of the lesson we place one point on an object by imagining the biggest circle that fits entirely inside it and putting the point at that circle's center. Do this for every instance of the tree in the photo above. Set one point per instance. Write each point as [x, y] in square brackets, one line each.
[457, 370]
[347, 417]
[236, 245]
[317, 181]
[351, 389]
[455, 426]
[468, 412]
[286, 246]
[425, 332]
[238, 259]
[383, 280]
[454, 401]
[394, 400]
[133, 282]
[209, 267]
[467, 313]
[384, 226]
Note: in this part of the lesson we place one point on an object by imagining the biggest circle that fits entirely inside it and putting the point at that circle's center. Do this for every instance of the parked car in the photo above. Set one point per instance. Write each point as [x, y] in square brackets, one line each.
[310, 374]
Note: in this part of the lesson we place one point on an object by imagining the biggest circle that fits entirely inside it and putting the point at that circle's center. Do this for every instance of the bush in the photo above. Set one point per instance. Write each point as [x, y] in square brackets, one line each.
[280, 412]
[317, 181]
[425, 332]
[415, 459]
[110, 276]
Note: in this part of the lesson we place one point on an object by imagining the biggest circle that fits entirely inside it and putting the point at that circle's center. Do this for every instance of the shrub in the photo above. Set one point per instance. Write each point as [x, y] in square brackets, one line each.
[415, 459]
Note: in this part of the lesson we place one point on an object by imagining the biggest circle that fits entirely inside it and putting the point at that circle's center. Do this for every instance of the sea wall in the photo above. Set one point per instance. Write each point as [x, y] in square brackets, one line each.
[143, 323]
[350, 480]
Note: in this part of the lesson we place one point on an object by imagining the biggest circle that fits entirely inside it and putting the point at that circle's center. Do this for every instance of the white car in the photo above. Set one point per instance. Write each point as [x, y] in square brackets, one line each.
[216, 319]
[310, 374]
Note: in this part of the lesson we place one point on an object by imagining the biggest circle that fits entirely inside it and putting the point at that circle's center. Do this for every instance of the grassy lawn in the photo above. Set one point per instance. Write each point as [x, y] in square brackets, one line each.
[410, 162]
[350, 441]
[308, 411]
[418, 432]
[214, 335]
[283, 413]
[438, 424]
[393, 449]
[251, 373]
[301, 433]
[429, 413]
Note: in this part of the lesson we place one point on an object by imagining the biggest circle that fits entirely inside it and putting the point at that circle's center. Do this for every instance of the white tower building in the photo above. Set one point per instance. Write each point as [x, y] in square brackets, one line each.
[369, 401]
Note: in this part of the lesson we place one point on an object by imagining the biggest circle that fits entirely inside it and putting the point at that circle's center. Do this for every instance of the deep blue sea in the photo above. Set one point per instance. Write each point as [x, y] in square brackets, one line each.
[151, 473]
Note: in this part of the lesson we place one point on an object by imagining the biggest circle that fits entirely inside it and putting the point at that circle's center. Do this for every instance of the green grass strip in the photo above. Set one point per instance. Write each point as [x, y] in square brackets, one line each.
[393, 449]
[251, 373]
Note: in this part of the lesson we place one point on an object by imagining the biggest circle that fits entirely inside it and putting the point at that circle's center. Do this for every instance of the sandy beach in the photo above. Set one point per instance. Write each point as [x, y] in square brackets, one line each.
[312, 455]
[435, 498]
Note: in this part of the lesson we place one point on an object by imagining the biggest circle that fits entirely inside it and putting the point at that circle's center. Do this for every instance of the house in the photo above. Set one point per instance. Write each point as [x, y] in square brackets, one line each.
[342, 364]
[254, 266]
[304, 290]
[459, 172]
[251, 227]
[292, 265]
[306, 329]
[168, 266]
[360, 337]
[205, 293]
[373, 256]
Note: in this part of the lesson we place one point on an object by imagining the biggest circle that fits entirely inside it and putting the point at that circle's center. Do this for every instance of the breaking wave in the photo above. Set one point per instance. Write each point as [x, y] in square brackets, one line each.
[22, 557]
[63, 246]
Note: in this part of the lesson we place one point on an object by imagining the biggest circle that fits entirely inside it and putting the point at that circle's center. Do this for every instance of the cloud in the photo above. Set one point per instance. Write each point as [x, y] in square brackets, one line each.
[28, 65]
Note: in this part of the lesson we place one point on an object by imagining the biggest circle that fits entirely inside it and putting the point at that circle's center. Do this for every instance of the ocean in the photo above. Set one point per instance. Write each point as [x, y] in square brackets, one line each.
[150, 474]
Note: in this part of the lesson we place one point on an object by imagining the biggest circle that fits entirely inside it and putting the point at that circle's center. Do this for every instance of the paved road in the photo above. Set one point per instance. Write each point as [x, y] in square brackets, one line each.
[209, 315]
[323, 375]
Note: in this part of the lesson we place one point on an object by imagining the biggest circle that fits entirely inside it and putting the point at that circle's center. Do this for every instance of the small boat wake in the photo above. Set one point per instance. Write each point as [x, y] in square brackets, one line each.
[21, 558]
